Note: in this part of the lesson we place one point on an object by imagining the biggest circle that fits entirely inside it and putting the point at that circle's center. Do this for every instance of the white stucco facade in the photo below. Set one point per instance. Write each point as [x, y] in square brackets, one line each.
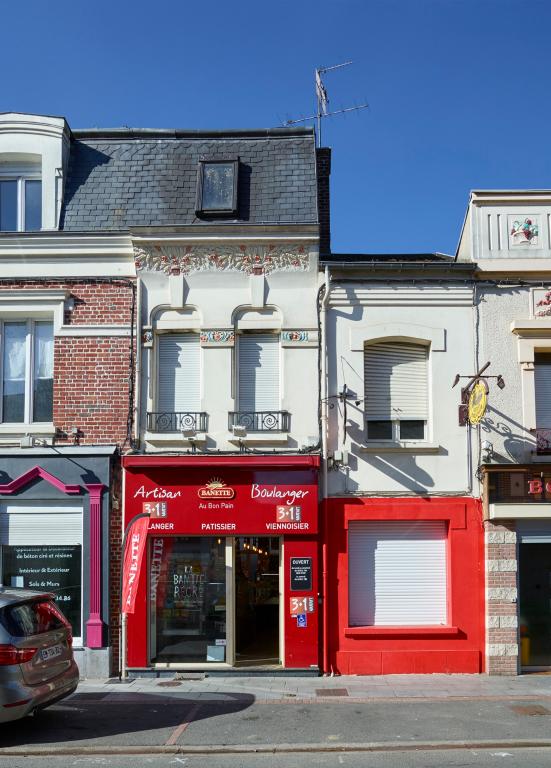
[436, 313]
[507, 235]
[219, 289]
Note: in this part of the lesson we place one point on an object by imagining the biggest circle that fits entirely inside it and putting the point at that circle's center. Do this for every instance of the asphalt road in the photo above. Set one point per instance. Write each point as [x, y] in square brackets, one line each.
[527, 758]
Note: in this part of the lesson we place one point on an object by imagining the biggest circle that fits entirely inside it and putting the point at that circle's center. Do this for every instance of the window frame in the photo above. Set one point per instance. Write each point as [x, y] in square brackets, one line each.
[276, 333]
[200, 210]
[157, 391]
[21, 178]
[409, 522]
[29, 369]
[396, 439]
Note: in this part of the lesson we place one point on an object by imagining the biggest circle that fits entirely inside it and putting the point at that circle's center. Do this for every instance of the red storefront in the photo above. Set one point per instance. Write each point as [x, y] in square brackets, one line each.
[230, 574]
[405, 585]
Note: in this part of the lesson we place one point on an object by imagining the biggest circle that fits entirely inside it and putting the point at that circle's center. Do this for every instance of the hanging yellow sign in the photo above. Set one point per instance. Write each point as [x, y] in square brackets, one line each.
[478, 401]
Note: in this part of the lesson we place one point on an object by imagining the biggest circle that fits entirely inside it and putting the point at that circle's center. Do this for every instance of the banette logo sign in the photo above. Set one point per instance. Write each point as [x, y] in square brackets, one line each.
[215, 489]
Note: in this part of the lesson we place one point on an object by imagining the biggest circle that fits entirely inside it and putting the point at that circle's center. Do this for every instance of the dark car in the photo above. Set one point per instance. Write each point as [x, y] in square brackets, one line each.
[37, 667]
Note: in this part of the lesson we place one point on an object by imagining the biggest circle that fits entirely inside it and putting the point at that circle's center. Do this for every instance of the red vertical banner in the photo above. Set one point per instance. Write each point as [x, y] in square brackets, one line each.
[133, 557]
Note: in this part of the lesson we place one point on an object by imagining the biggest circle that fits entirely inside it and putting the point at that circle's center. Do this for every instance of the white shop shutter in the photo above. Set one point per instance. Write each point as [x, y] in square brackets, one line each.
[542, 382]
[397, 573]
[40, 523]
[258, 372]
[395, 376]
[179, 373]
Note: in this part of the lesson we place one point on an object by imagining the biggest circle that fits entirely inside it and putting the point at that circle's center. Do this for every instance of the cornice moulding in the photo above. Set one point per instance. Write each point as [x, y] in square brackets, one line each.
[200, 232]
[65, 245]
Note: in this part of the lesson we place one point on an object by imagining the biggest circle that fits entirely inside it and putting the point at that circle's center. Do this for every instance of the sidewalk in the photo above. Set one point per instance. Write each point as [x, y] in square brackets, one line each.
[274, 687]
[203, 715]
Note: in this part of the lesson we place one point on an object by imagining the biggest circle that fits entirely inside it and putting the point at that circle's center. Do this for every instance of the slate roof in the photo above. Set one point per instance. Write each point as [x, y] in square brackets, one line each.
[122, 178]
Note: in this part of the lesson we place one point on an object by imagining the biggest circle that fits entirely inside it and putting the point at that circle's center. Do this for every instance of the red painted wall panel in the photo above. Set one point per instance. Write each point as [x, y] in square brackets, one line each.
[397, 651]
[301, 643]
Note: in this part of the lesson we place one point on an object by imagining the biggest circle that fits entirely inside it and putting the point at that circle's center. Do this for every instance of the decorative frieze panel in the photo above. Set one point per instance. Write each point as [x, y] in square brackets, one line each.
[299, 338]
[217, 338]
[147, 336]
[523, 231]
[249, 259]
[541, 298]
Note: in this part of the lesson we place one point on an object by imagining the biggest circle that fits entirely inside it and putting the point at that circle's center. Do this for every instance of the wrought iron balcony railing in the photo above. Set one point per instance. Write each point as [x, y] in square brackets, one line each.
[543, 440]
[176, 421]
[260, 421]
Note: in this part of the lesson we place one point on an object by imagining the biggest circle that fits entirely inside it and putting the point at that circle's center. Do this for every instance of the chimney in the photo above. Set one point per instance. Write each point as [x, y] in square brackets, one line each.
[323, 169]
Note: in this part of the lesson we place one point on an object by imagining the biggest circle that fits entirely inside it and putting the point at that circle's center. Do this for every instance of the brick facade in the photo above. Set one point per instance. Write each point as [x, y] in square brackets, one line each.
[92, 390]
[502, 644]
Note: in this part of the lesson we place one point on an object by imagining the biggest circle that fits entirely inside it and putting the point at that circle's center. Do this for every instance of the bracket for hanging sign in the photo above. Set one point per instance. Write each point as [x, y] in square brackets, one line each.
[474, 395]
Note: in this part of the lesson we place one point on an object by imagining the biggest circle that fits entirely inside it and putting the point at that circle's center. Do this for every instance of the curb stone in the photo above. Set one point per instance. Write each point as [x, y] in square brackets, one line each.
[219, 749]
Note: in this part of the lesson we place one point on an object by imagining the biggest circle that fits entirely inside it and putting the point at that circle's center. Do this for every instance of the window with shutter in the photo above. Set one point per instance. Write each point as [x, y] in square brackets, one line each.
[542, 383]
[396, 390]
[258, 372]
[179, 373]
[397, 573]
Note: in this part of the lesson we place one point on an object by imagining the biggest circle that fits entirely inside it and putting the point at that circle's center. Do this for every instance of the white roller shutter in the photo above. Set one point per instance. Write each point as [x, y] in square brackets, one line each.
[395, 376]
[542, 377]
[397, 573]
[40, 523]
[179, 373]
[258, 372]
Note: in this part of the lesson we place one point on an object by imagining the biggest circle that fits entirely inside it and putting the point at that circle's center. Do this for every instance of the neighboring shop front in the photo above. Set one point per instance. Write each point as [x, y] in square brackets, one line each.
[230, 572]
[54, 537]
[405, 585]
[518, 536]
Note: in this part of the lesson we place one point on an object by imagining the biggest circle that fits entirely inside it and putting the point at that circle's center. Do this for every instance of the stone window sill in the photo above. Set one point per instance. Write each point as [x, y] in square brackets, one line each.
[428, 631]
[403, 446]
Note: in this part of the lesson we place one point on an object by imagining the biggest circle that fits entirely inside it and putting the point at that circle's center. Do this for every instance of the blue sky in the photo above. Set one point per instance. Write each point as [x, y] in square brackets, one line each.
[459, 91]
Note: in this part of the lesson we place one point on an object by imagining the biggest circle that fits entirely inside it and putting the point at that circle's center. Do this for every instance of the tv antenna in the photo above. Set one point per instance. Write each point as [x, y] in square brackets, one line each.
[322, 100]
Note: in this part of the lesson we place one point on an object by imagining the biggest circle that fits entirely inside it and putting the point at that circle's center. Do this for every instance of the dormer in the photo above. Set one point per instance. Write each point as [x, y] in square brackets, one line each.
[34, 153]
[507, 231]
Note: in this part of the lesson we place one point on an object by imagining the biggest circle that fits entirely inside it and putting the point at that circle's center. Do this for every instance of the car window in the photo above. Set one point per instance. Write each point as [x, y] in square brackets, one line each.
[33, 618]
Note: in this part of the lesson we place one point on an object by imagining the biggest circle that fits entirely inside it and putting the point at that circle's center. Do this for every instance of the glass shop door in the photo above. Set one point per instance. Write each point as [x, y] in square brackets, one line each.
[189, 594]
[257, 601]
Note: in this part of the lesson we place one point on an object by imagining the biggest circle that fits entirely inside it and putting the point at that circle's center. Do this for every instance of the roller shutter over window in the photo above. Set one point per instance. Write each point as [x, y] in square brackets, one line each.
[542, 381]
[179, 373]
[397, 573]
[395, 376]
[258, 372]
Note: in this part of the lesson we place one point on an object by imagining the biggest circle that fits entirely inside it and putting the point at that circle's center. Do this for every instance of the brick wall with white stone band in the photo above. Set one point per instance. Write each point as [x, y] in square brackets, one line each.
[502, 642]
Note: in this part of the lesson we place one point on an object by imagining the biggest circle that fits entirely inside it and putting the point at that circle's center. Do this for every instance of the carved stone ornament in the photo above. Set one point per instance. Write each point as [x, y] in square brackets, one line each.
[297, 336]
[187, 259]
[226, 338]
[147, 337]
[545, 305]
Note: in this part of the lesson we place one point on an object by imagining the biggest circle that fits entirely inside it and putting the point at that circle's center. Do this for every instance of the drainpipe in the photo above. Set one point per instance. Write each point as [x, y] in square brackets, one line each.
[324, 482]
[138, 369]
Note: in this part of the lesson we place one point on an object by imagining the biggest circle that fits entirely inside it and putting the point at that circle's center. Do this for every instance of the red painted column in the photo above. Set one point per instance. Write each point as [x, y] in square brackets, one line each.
[94, 625]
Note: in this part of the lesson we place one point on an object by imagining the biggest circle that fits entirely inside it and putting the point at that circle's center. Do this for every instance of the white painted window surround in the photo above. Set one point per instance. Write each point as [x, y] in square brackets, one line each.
[29, 307]
[397, 573]
[44, 140]
[26, 365]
